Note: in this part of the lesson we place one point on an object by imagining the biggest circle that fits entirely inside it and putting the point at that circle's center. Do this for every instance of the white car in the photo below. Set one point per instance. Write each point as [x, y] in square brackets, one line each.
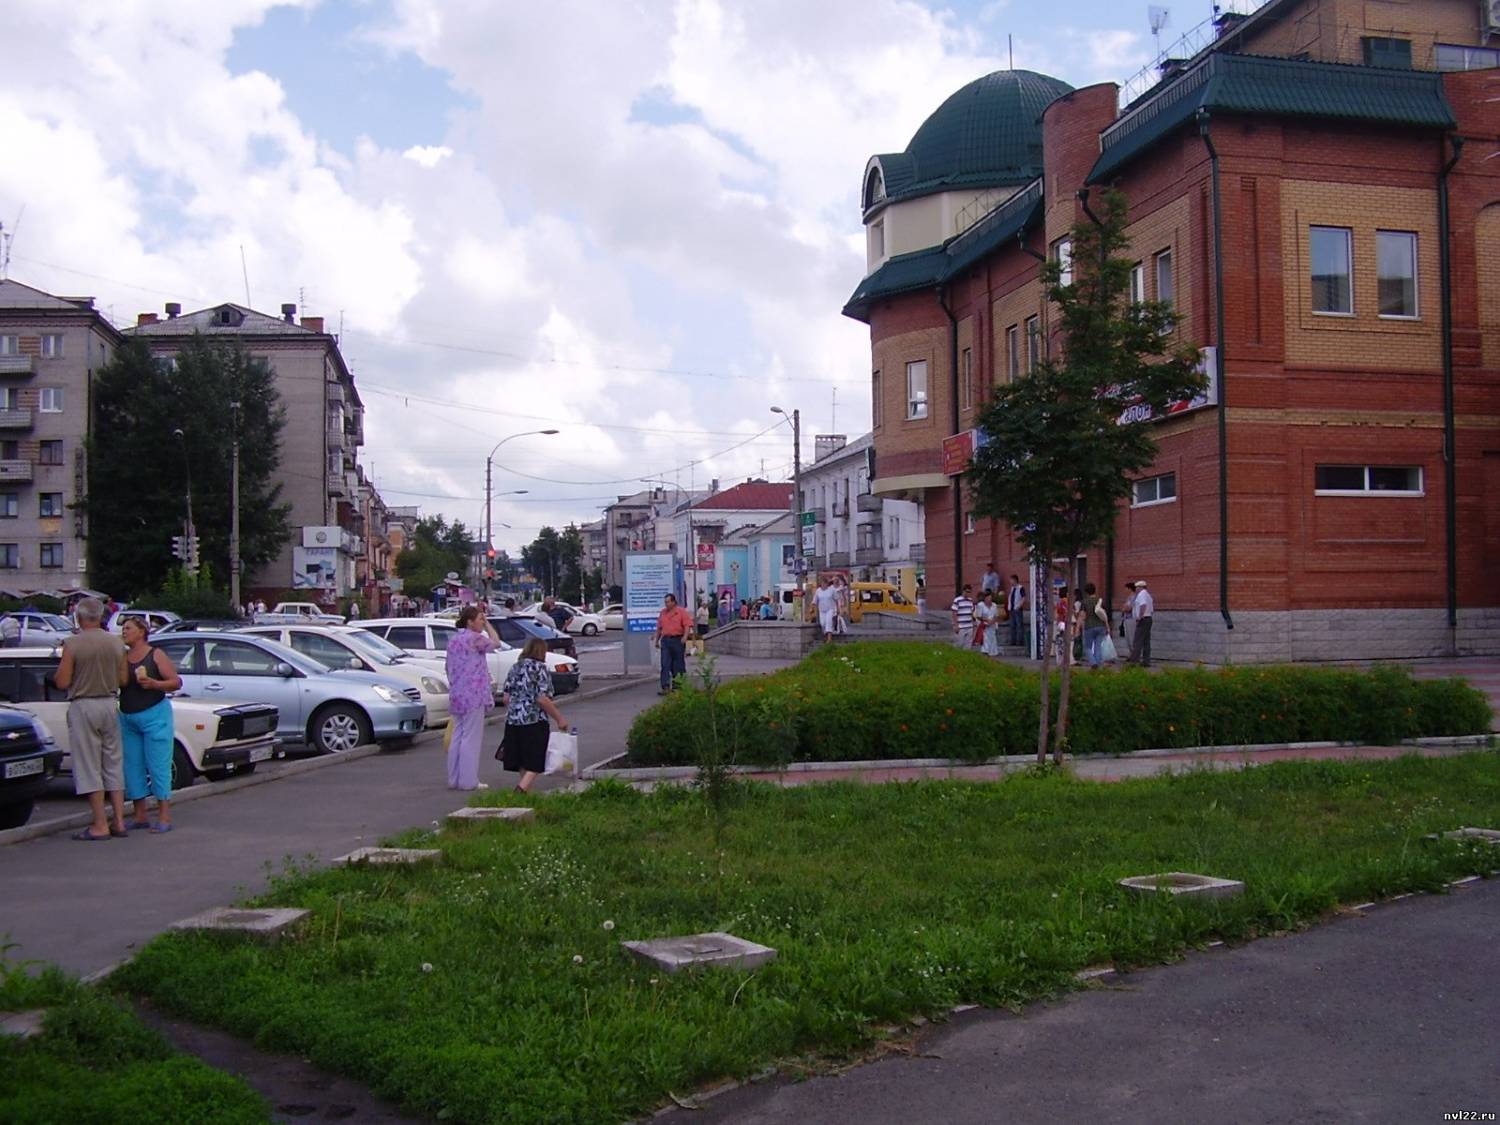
[428, 637]
[613, 616]
[41, 628]
[155, 618]
[343, 646]
[217, 738]
[583, 621]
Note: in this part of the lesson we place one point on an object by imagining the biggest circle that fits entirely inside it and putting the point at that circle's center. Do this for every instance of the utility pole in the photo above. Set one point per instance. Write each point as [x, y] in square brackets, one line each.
[234, 512]
[796, 504]
[189, 532]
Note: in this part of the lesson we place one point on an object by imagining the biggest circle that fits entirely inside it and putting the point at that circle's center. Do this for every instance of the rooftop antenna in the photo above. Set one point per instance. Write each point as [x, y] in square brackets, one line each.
[245, 272]
[5, 243]
[833, 427]
[1159, 17]
[1010, 49]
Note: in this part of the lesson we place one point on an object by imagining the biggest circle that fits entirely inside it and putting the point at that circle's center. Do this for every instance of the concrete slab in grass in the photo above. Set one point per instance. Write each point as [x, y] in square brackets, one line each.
[389, 856]
[22, 1025]
[481, 814]
[1489, 835]
[712, 950]
[1184, 884]
[267, 922]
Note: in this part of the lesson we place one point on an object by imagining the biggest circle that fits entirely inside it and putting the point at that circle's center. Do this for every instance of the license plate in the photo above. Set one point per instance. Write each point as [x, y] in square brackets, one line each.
[260, 753]
[23, 769]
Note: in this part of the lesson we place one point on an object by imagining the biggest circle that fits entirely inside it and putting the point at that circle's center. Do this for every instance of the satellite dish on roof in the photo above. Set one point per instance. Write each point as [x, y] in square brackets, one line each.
[1159, 17]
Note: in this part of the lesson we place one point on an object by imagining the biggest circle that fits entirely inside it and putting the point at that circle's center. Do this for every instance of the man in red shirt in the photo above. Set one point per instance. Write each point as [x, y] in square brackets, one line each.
[673, 626]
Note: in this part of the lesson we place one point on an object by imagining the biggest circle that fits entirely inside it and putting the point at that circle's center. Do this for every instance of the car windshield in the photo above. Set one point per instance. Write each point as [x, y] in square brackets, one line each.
[296, 659]
[60, 624]
[378, 647]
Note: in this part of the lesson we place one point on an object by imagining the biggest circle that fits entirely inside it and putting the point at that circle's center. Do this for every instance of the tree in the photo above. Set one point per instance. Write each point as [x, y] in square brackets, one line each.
[437, 548]
[542, 558]
[136, 500]
[1058, 453]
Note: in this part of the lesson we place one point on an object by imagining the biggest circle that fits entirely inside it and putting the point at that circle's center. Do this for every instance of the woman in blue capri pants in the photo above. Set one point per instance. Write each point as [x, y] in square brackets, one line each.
[146, 726]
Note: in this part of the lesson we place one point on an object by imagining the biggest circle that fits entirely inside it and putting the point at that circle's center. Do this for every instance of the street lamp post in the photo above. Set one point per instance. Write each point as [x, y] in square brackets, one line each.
[796, 417]
[488, 475]
[187, 476]
[234, 512]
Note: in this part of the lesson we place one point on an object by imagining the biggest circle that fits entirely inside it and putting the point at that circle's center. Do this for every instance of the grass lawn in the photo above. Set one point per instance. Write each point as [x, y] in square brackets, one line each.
[97, 1063]
[491, 987]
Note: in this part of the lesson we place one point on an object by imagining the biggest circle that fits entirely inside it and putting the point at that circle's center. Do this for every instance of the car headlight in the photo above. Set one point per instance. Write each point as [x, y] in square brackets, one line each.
[567, 668]
[434, 686]
[390, 695]
[43, 735]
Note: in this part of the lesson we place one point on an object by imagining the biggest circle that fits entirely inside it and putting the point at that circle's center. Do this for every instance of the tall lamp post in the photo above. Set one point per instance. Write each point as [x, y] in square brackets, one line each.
[187, 476]
[796, 418]
[234, 513]
[488, 475]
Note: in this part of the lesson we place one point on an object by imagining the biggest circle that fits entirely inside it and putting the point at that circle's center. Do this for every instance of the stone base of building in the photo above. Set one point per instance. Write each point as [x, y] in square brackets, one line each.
[1335, 634]
[764, 640]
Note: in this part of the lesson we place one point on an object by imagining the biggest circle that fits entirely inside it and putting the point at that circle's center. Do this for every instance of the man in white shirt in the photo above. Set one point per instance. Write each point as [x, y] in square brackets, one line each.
[990, 583]
[963, 618]
[1142, 607]
[826, 602]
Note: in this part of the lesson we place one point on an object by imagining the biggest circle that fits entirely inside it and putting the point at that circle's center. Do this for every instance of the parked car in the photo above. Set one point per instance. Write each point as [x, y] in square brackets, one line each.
[613, 615]
[156, 619]
[517, 631]
[29, 760]
[328, 710]
[429, 637]
[343, 646]
[41, 628]
[215, 738]
[583, 621]
[200, 624]
[872, 597]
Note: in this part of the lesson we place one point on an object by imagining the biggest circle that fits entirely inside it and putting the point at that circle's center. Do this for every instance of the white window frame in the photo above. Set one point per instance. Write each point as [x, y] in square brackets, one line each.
[1013, 352]
[917, 402]
[893, 538]
[970, 524]
[1420, 490]
[1155, 498]
[41, 501]
[1416, 295]
[10, 556]
[56, 549]
[1033, 342]
[50, 400]
[1137, 283]
[52, 345]
[10, 505]
[1349, 260]
[966, 379]
[1162, 267]
[10, 345]
[1062, 254]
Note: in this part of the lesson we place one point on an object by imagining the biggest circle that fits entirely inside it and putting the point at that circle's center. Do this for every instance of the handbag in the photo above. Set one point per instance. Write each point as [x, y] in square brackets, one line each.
[562, 753]
[1107, 648]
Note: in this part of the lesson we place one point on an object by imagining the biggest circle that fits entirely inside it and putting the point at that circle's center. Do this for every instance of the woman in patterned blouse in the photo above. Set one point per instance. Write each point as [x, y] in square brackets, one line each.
[528, 702]
[469, 694]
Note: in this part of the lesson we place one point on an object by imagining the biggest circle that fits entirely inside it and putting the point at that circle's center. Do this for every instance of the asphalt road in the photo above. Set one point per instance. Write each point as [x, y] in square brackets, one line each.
[1387, 1016]
[88, 905]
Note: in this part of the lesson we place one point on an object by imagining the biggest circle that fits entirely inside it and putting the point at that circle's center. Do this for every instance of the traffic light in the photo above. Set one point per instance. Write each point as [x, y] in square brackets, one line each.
[491, 553]
[192, 556]
[177, 549]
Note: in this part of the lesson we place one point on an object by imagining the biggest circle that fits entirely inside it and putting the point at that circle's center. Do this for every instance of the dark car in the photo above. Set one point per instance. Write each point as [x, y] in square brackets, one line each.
[199, 625]
[517, 631]
[29, 760]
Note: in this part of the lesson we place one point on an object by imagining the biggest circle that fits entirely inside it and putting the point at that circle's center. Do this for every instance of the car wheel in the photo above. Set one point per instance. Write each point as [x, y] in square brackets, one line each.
[15, 814]
[590, 629]
[183, 773]
[339, 727]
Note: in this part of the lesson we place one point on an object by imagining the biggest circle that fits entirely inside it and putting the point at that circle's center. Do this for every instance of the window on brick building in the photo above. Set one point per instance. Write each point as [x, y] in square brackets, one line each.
[52, 345]
[1345, 480]
[10, 345]
[50, 400]
[51, 555]
[966, 378]
[10, 451]
[1062, 254]
[877, 405]
[1137, 283]
[1329, 249]
[1013, 352]
[1166, 288]
[916, 389]
[10, 505]
[1453, 56]
[969, 523]
[1033, 342]
[50, 504]
[10, 556]
[50, 452]
[1154, 490]
[1380, 50]
[1396, 271]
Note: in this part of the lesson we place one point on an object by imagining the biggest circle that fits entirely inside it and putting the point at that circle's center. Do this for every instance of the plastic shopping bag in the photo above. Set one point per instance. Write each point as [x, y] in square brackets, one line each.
[448, 733]
[562, 753]
[1107, 648]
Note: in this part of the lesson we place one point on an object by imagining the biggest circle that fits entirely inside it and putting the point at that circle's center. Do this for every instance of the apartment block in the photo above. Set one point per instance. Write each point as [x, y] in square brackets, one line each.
[866, 536]
[51, 348]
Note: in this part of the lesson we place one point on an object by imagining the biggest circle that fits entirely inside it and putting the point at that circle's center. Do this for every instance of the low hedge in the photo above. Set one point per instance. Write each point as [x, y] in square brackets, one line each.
[895, 700]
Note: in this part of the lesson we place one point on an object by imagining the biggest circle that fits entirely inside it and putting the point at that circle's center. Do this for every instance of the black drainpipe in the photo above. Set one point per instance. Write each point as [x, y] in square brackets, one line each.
[958, 481]
[1450, 452]
[1223, 404]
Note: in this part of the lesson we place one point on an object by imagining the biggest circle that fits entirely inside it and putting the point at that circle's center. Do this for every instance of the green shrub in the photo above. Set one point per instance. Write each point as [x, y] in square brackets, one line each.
[880, 701]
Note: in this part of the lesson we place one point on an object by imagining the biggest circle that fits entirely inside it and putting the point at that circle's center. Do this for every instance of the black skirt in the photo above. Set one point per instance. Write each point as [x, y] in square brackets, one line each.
[523, 747]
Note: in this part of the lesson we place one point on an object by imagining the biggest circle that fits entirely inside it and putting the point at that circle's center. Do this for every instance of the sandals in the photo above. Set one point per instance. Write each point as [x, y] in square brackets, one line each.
[138, 825]
[90, 837]
[158, 829]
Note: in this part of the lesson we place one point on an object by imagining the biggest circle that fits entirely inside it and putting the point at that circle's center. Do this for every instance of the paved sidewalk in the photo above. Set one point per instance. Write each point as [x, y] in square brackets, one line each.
[1381, 1017]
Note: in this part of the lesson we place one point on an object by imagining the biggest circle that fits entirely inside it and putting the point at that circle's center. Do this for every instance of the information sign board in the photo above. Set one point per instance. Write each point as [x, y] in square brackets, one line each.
[648, 579]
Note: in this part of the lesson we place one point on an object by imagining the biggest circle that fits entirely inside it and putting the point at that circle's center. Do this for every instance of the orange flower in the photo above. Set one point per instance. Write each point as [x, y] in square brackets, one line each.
[950, 710]
[903, 727]
[942, 726]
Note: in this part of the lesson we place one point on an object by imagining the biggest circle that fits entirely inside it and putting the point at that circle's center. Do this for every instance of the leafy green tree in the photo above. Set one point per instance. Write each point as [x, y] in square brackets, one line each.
[1059, 455]
[436, 549]
[543, 558]
[136, 500]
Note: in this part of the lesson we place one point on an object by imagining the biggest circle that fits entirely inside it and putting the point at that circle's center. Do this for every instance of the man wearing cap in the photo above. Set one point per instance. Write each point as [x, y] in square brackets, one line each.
[1127, 623]
[1141, 608]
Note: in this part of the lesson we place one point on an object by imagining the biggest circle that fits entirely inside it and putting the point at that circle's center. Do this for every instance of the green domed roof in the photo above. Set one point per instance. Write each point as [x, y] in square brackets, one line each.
[989, 133]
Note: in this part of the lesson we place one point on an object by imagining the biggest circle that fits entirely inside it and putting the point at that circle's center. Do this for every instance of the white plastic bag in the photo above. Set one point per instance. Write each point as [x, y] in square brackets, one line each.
[562, 753]
[1107, 650]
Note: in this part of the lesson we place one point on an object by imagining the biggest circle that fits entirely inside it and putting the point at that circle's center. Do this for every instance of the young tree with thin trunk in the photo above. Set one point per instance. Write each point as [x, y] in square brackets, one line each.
[1061, 443]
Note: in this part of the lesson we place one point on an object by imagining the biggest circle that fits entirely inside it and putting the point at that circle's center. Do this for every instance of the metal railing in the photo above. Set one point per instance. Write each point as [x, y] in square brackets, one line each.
[1187, 46]
[16, 419]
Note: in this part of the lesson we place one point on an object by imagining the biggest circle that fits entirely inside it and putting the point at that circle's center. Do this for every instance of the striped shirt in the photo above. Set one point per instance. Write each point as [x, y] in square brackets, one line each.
[963, 612]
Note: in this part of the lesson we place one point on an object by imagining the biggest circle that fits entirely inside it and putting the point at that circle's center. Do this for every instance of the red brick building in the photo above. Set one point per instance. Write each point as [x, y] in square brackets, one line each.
[1318, 193]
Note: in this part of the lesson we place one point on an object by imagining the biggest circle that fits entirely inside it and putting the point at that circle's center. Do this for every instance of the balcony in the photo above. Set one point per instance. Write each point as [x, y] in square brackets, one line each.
[336, 483]
[840, 509]
[17, 365]
[868, 556]
[869, 502]
[15, 472]
[335, 433]
[15, 419]
[838, 558]
[918, 552]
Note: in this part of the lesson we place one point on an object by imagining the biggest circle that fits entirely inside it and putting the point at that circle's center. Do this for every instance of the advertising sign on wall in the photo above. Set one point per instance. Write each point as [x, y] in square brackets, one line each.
[315, 568]
[705, 556]
[959, 449]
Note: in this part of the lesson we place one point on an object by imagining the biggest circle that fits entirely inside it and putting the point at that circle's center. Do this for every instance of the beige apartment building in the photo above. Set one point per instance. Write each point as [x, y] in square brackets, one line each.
[50, 350]
[326, 558]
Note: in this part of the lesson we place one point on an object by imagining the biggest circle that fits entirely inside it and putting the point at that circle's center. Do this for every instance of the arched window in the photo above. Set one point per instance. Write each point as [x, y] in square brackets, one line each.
[874, 188]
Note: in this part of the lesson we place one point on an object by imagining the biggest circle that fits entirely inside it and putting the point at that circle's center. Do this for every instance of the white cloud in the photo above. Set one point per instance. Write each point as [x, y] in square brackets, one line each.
[428, 156]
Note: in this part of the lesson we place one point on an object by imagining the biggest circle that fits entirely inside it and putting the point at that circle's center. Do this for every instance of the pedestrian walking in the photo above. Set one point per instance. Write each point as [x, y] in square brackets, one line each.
[826, 601]
[963, 617]
[92, 670]
[528, 703]
[1127, 622]
[1015, 608]
[700, 618]
[673, 626]
[1095, 626]
[726, 610]
[146, 725]
[987, 631]
[990, 582]
[470, 697]
[353, 611]
[10, 632]
[744, 609]
[1142, 611]
[841, 616]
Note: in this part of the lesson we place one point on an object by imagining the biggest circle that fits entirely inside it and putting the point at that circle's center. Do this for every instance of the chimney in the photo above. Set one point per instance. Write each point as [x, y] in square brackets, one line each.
[713, 485]
[145, 318]
[313, 323]
[174, 310]
[289, 313]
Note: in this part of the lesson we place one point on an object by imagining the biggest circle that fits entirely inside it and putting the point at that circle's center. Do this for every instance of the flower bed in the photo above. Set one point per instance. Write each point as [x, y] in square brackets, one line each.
[882, 701]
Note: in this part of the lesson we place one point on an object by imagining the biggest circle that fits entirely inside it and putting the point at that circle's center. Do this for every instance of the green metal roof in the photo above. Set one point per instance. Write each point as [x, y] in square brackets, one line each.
[1273, 87]
[926, 269]
[987, 134]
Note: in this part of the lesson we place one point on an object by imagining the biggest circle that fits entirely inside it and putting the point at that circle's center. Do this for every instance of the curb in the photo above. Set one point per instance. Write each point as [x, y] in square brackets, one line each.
[674, 773]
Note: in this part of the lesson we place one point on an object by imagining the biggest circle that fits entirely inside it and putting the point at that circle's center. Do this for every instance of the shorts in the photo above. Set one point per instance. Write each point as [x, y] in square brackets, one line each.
[94, 731]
